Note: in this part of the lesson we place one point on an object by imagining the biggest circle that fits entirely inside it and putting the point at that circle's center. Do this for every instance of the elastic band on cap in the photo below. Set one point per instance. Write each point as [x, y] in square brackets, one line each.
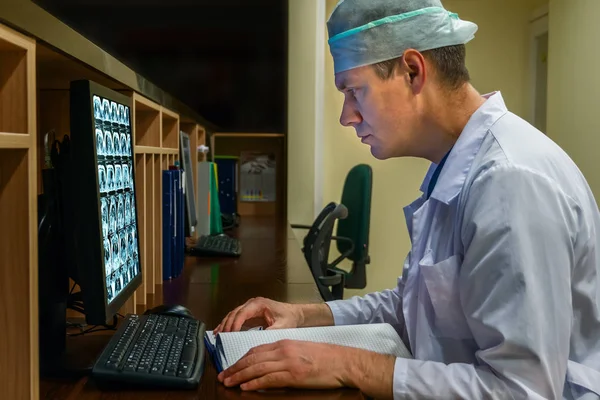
[389, 20]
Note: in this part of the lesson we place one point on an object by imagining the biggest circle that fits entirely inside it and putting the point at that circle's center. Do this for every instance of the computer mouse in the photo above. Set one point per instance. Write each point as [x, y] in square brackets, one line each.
[174, 310]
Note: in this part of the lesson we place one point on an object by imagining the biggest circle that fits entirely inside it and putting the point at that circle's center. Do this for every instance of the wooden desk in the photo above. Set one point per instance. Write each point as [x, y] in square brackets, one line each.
[271, 266]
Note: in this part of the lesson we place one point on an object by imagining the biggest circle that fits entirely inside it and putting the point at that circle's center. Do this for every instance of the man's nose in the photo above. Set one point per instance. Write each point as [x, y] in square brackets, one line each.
[350, 115]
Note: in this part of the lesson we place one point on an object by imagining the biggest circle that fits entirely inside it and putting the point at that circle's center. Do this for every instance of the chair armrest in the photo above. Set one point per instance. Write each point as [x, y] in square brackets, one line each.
[297, 226]
[346, 253]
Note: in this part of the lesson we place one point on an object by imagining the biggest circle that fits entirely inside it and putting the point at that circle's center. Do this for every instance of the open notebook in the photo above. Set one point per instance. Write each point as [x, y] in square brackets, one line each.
[227, 348]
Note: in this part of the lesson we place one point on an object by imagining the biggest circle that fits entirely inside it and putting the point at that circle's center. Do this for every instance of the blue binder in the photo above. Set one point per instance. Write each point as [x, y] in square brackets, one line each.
[179, 243]
[168, 224]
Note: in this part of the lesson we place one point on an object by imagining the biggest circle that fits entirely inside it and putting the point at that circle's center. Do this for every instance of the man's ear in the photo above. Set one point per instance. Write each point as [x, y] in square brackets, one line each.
[414, 66]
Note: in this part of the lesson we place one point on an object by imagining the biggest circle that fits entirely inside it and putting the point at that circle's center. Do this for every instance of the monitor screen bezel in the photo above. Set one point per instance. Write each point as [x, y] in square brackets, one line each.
[89, 219]
[188, 169]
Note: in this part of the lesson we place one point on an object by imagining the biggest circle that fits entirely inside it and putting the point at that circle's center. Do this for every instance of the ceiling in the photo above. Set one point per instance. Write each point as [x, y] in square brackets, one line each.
[226, 59]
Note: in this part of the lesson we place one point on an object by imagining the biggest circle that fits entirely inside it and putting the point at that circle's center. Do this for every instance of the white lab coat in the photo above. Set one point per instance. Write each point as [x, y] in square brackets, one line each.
[500, 295]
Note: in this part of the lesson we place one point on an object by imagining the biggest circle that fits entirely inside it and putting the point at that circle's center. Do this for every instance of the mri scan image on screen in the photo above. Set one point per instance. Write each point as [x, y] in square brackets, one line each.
[114, 157]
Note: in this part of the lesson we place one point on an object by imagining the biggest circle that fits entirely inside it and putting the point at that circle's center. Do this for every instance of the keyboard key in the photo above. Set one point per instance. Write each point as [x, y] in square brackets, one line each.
[156, 370]
[188, 354]
[184, 371]
[129, 367]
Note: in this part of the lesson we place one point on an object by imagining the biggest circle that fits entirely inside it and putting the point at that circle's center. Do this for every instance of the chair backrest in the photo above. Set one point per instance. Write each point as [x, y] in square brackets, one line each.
[313, 231]
[316, 251]
[356, 197]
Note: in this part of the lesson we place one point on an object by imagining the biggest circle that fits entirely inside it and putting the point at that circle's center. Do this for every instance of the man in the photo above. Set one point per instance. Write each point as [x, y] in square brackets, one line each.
[499, 296]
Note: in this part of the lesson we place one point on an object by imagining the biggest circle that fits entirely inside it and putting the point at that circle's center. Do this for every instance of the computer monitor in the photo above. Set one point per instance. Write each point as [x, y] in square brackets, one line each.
[105, 223]
[190, 200]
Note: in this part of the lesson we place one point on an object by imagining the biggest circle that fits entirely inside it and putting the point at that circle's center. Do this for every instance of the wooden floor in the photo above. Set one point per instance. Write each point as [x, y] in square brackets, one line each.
[271, 266]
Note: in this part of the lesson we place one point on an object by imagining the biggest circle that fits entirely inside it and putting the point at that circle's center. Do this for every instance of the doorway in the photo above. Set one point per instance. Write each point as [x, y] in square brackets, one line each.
[539, 68]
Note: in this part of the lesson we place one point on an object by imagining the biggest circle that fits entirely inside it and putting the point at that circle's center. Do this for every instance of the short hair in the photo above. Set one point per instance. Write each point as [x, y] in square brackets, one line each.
[449, 63]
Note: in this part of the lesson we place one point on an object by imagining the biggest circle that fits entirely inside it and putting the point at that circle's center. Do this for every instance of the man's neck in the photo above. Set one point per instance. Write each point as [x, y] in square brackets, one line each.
[451, 115]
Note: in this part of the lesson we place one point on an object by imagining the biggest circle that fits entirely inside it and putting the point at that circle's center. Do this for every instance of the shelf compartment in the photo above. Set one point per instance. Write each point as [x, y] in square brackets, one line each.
[14, 87]
[158, 244]
[53, 114]
[140, 195]
[18, 275]
[150, 224]
[146, 124]
[170, 130]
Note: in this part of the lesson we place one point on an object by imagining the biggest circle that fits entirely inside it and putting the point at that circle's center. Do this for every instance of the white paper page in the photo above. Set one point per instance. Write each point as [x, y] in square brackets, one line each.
[380, 338]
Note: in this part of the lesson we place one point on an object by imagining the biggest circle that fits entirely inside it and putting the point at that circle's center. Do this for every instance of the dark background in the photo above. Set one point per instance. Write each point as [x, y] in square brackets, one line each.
[226, 59]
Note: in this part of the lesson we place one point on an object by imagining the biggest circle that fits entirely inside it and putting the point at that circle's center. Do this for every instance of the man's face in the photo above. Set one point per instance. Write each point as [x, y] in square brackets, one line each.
[384, 113]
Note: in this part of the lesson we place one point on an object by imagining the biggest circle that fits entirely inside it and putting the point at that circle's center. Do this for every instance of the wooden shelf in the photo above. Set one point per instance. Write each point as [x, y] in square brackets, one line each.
[14, 141]
[157, 231]
[144, 103]
[147, 122]
[140, 195]
[19, 364]
[147, 150]
[18, 282]
[154, 150]
[170, 130]
[150, 223]
[17, 57]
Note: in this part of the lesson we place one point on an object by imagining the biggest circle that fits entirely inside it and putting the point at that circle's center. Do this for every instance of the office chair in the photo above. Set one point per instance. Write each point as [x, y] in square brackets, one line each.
[315, 248]
[352, 235]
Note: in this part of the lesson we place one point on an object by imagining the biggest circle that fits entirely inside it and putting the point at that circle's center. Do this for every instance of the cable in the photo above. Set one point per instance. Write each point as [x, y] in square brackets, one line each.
[91, 330]
[98, 328]
[76, 308]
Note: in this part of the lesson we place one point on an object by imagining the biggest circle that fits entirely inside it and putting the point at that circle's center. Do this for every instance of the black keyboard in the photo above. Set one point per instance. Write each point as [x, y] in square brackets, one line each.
[217, 246]
[154, 350]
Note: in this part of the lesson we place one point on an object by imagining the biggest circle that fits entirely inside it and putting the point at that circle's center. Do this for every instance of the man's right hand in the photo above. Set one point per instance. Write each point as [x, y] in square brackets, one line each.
[275, 314]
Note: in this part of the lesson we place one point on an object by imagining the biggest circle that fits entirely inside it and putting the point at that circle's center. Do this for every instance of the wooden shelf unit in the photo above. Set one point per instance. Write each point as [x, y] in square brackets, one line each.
[19, 363]
[156, 138]
[35, 99]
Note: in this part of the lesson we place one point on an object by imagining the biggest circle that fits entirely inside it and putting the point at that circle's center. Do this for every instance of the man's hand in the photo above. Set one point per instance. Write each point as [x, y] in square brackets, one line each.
[275, 315]
[309, 365]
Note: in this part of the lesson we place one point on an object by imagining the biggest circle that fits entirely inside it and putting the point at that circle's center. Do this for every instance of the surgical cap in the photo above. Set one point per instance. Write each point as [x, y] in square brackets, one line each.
[365, 32]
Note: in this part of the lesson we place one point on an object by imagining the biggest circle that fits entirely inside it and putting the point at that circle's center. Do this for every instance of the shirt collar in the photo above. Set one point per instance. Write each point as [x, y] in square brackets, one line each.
[460, 159]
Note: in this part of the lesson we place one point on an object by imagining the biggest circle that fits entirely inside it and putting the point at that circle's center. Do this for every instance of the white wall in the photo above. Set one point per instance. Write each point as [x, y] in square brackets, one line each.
[573, 83]
[305, 97]
[498, 59]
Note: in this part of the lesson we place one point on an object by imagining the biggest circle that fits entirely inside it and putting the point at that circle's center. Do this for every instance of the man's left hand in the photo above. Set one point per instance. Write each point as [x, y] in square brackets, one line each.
[290, 363]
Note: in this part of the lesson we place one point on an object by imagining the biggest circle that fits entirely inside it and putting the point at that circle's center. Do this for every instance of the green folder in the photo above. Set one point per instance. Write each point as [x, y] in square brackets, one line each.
[216, 225]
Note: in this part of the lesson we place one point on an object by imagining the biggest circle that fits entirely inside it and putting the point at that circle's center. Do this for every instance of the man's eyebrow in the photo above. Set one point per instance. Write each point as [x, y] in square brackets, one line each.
[342, 86]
